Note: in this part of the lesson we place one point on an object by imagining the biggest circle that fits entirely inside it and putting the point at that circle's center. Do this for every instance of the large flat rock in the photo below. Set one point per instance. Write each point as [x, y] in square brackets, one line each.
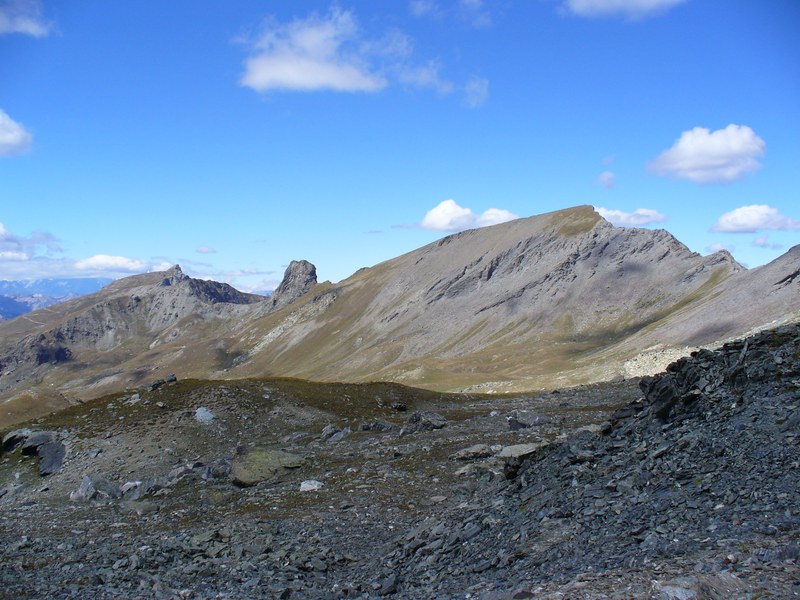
[254, 466]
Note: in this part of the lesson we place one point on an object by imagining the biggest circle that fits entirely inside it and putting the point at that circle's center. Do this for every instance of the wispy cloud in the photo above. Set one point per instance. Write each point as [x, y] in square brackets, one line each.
[762, 241]
[23, 17]
[719, 246]
[637, 218]
[754, 218]
[205, 250]
[449, 216]
[607, 179]
[476, 92]
[19, 247]
[426, 76]
[475, 12]
[705, 156]
[424, 8]
[632, 9]
[14, 138]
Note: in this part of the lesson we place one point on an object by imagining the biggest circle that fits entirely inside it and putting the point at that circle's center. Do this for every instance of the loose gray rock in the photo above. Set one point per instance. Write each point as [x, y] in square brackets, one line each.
[423, 421]
[14, 438]
[475, 452]
[203, 415]
[93, 487]
[524, 420]
[51, 457]
[34, 440]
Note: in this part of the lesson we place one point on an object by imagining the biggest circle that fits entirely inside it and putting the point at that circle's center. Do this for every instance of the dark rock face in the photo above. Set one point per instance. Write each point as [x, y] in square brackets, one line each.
[300, 276]
[51, 457]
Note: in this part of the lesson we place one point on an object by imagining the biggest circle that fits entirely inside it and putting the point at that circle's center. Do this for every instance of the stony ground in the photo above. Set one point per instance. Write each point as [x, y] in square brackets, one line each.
[684, 485]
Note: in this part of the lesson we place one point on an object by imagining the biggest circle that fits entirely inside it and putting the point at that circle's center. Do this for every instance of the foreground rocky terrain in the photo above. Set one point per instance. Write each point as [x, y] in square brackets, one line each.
[683, 485]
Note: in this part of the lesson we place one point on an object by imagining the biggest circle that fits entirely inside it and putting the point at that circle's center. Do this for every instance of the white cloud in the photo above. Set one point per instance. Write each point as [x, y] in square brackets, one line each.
[104, 262]
[493, 216]
[476, 92]
[23, 16]
[14, 138]
[449, 216]
[317, 53]
[753, 218]
[607, 179]
[426, 76]
[637, 218]
[11, 255]
[705, 156]
[634, 9]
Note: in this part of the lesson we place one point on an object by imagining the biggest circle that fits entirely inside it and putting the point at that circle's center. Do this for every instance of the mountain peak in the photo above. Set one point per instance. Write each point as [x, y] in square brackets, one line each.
[300, 276]
[173, 275]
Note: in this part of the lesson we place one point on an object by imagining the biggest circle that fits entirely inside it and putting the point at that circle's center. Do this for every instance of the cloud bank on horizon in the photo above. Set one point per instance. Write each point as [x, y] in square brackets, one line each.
[325, 110]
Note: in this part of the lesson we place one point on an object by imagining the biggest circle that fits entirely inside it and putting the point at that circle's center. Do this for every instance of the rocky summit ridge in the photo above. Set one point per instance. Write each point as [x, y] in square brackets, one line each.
[549, 301]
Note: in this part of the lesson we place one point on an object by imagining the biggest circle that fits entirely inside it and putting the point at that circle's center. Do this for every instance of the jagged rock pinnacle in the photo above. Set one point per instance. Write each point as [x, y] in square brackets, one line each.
[300, 276]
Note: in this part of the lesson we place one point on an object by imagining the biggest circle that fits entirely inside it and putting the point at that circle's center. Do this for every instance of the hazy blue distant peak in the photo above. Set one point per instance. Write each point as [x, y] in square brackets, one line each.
[53, 287]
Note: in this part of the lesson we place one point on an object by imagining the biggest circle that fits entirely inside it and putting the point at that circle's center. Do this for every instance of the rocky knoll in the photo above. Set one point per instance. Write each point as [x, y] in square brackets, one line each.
[678, 486]
[89, 342]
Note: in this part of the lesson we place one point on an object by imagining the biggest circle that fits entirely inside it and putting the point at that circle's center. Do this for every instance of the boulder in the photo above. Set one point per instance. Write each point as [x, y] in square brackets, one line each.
[521, 419]
[203, 415]
[311, 485]
[425, 420]
[38, 438]
[51, 457]
[254, 466]
[14, 438]
[93, 487]
[475, 452]
[519, 450]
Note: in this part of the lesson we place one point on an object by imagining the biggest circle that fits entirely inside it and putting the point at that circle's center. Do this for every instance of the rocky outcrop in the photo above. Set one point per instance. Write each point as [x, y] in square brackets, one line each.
[253, 466]
[299, 278]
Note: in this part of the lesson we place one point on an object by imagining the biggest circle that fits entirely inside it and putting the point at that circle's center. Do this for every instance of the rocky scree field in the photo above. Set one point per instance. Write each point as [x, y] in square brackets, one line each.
[682, 485]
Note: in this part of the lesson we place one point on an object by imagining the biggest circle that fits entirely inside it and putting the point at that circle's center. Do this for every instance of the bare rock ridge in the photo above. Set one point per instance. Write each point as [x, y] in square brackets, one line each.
[548, 301]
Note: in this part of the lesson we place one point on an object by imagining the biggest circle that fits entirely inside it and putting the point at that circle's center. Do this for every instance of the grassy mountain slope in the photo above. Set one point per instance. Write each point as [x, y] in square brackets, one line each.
[549, 301]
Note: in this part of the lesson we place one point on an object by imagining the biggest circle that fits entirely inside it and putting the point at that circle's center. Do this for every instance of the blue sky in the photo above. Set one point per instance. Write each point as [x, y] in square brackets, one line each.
[234, 137]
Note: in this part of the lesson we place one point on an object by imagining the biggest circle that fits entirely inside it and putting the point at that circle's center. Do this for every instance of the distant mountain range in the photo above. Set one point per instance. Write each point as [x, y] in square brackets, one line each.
[20, 297]
[545, 302]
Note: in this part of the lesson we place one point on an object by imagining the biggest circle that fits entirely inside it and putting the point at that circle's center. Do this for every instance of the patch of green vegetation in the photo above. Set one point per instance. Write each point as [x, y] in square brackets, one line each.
[572, 222]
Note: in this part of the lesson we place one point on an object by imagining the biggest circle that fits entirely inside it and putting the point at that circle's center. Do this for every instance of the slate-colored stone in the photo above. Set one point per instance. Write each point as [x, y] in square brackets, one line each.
[51, 457]
[34, 440]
